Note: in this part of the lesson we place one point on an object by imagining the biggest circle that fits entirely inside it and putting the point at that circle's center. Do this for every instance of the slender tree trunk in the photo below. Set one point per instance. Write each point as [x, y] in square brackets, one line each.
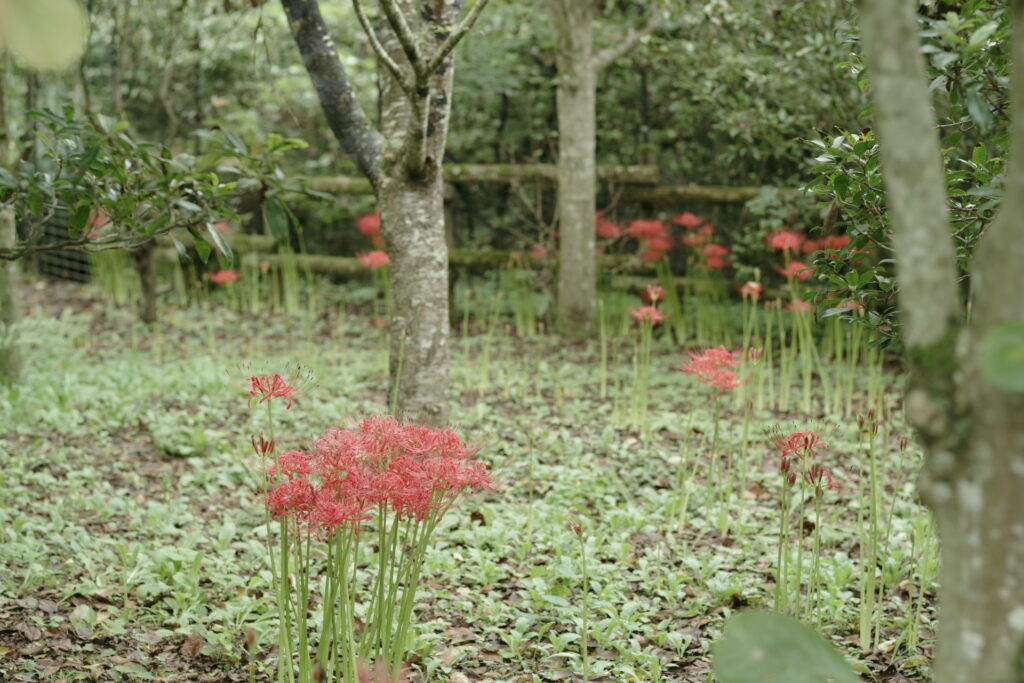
[972, 431]
[145, 264]
[577, 177]
[10, 359]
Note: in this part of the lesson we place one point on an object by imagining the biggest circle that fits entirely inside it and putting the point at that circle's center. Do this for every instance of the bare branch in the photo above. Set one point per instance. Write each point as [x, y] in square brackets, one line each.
[379, 50]
[455, 36]
[405, 37]
[349, 123]
[613, 53]
[913, 171]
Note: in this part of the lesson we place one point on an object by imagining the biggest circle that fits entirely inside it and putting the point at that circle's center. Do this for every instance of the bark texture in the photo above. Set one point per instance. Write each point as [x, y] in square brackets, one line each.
[578, 68]
[972, 432]
[10, 359]
[145, 264]
[413, 41]
[572, 21]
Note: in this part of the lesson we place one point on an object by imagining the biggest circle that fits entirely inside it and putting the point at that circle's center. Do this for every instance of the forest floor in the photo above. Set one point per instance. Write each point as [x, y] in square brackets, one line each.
[131, 546]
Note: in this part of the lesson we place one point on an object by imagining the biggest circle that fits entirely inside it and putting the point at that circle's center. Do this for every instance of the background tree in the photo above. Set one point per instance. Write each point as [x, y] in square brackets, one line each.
[578, 70]
[403, 163]
[966, 393]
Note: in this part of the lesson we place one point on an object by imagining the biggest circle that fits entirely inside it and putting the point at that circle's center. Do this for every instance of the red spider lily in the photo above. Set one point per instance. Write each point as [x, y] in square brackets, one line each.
[714, 367]
[653, 255]
[270, 387]
[752, 290]
[796, 269]
[661, 243]
[292, 496]
[605, 228]
[374, 259]
[798, 445]
[688, 220]
[810, 246]
[648, 315]
[223, 277]
[835, 242]
[263, 447]
[800, 306]
[820, 477]
[652, 294]
[222, 226]
[369, 224]
[538, 253]
[696, 239]
[646, 230]
[851, 304]
[785, 240]
[714, 255]
[291, 464]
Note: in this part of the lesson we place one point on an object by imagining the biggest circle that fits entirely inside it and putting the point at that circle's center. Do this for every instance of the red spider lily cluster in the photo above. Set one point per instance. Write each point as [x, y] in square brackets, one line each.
[802, 447]
[223, 277]
[653, 236]
[369, 225]
[716, 367]
[374, 259]
[411, 471]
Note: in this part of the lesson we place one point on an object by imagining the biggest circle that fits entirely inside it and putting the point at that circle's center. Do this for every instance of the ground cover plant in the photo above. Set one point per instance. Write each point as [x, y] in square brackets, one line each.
[614, 544]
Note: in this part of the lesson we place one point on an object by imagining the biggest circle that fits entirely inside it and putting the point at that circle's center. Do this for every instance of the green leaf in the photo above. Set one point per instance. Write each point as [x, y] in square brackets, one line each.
[219, 241]
[182, 251]
[980, 155]
[763, 647]
[134, 669]
[276, 219]
[982, 34]
[979, 110]
[1002, 356]
[202, 246]
[45, 34]
[79, 219]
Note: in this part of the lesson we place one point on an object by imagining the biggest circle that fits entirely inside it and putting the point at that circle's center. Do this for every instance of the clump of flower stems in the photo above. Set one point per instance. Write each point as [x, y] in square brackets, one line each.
[802, 474]
[380, 488]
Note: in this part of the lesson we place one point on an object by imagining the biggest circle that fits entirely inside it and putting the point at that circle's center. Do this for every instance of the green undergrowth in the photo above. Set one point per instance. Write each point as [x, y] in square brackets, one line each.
[126, 498]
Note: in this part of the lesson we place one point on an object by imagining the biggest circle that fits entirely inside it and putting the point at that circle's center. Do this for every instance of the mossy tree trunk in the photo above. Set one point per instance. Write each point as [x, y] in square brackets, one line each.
[414, 41]
[972, 430]
[10, 359]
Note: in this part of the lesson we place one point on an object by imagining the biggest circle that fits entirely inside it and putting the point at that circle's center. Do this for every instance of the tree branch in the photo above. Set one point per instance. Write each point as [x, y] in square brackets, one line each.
[379, 50]
[613, 53]
[913, 172]
[405, 38]
[455, 36]
[360, 140]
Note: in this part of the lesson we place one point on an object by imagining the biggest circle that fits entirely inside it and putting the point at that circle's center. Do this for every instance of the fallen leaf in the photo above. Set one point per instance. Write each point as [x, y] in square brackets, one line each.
[193, 645]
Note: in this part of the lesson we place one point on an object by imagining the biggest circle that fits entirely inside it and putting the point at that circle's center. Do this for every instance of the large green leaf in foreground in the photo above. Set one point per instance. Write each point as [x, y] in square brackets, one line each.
[764, 647]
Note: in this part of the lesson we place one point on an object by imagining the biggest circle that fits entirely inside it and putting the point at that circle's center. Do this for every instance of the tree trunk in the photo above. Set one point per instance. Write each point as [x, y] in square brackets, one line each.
[972, 431]
[571, 21]
[145, 264]
[10, 359]
[411, 202]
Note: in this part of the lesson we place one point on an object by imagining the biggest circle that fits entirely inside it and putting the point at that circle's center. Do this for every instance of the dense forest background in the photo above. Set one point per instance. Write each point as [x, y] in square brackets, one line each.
[716, 95]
